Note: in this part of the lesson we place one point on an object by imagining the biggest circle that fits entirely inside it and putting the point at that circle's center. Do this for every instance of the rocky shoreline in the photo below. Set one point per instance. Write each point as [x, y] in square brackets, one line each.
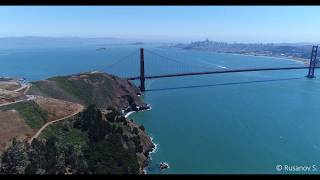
[147, 143]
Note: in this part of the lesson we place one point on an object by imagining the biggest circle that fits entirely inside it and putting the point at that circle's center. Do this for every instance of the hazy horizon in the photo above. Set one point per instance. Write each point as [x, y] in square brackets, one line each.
[132, 40]
[242, 24]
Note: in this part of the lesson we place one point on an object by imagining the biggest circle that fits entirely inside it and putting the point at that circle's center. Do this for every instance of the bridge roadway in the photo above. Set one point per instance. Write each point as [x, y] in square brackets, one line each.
[219, 72]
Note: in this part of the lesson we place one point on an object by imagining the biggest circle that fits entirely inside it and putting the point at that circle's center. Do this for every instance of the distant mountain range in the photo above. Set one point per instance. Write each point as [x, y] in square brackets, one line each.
[290, 50]
[34, 41]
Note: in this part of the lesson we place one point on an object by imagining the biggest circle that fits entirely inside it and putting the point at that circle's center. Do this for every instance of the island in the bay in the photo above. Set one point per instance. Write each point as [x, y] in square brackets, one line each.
[72, 124]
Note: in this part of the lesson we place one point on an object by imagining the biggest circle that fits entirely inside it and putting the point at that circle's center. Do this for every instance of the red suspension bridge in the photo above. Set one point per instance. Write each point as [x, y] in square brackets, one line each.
[179, 68]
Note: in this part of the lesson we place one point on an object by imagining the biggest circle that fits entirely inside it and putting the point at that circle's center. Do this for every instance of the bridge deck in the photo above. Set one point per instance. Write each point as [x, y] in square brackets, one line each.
[219, 72]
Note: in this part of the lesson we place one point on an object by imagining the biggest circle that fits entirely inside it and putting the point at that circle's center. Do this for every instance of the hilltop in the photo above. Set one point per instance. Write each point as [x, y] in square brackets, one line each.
[96, 140]
[103, 90]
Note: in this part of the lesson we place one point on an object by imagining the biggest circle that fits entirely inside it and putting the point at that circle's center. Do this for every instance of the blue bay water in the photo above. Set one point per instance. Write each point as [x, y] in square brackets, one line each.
[222, 123]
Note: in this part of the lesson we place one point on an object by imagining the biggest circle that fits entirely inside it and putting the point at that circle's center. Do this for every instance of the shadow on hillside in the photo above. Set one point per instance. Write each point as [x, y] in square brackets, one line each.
[224, 84]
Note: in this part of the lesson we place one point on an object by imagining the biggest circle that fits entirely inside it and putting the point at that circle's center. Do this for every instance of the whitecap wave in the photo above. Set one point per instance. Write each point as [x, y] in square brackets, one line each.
[155, 149]
[128, 114]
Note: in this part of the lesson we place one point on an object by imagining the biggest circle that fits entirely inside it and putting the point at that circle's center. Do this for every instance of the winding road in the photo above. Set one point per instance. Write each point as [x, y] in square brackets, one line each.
[29, 97]
[80, 108]
[32, 97]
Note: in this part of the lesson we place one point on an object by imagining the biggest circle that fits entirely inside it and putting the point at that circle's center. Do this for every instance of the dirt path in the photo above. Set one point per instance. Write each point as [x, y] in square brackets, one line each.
[29, 98]
[80, 108]
[27, 89]
[27, 86]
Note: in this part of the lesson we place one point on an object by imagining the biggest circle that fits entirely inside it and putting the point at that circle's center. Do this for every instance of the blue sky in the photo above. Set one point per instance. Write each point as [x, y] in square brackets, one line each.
[165, 23]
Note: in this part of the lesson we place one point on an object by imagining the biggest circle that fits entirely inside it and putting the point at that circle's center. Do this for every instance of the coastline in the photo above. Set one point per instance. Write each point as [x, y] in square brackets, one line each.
[128, 114]
[155, 149]
[300, 60]
[295, 59]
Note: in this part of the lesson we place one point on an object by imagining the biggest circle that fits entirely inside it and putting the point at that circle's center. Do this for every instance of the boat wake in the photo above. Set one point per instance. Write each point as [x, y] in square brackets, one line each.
[223, 67]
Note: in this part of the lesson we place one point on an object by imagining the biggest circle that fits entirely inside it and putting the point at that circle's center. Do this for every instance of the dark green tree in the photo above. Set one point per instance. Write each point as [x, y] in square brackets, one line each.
[38, 160]
[14, 159]
[109, 157]
[119, 130]
[75, 161]
[92, 122]
[112, 115]
[135, 131]
[142, 128]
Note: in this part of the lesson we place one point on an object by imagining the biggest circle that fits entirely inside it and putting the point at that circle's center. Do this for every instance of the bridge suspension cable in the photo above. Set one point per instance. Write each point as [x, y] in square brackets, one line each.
[121, 59]
[177, 61]
[160, 66]
[125, 66]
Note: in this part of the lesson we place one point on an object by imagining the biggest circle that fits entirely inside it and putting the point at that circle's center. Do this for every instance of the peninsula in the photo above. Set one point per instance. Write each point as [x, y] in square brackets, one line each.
[295, 51]
[75, 124]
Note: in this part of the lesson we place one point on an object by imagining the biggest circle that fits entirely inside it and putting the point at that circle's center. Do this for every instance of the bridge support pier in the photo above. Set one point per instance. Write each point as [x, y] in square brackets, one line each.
[313, 60]
[142, 77]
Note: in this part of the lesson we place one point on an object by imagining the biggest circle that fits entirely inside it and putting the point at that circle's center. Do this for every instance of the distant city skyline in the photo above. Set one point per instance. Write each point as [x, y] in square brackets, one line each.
[243, 24]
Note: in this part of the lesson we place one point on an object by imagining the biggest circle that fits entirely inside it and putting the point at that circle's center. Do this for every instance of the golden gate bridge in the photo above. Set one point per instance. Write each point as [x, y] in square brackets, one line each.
[137, 71]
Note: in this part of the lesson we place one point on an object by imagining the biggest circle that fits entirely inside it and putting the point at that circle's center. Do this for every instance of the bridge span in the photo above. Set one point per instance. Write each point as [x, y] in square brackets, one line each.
[312, 66]
[219, 72]
[177, 68]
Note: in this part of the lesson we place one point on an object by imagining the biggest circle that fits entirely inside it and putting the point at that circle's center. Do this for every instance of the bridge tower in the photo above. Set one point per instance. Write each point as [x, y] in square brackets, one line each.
[142, 77]
[313, 60]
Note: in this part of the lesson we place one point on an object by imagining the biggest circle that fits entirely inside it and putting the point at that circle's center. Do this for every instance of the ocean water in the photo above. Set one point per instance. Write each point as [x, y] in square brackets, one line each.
[253, 122]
